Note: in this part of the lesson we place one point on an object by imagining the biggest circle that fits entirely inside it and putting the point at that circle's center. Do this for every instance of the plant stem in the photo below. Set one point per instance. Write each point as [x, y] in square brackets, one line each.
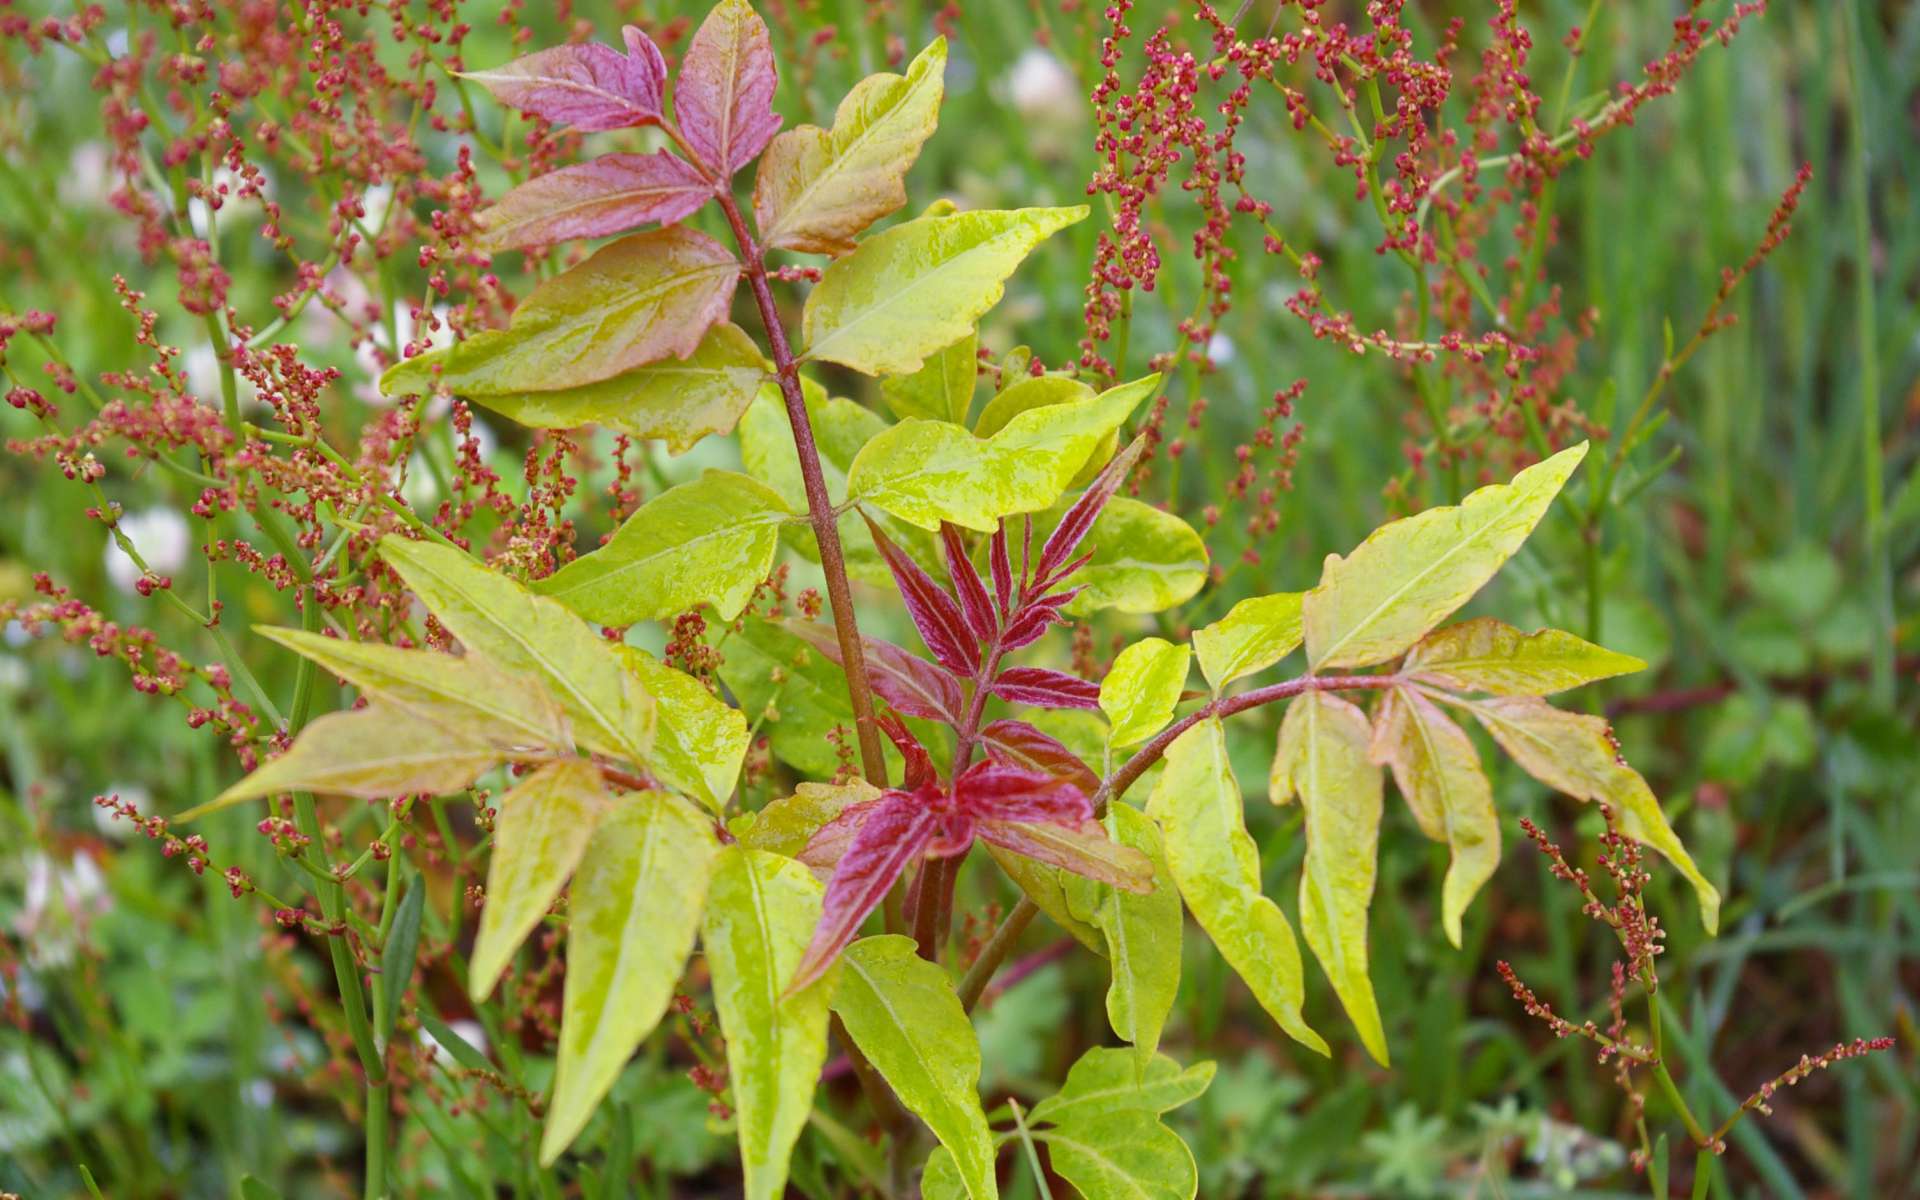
[1033, 1155]
[974, 984]
[826, 529]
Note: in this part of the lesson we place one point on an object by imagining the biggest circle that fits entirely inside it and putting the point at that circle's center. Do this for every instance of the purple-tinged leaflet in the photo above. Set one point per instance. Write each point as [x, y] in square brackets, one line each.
[936, 614]
[1030, 747]
[967, 585]
[892, 836]
[609, 194]
[589, 86]
[911, 684]
[1044, 688]
[724, 95]
[1073, 527]
[1002, 568]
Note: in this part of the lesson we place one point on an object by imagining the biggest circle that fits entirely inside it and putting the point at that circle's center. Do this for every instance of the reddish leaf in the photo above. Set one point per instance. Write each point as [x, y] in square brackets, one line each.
[893, 835]
[724, 96]
[1032, 621]
[1031, 747]
[1043, 688]
[919, 769]
[967, 585]
[934, 611]
[824, 849]
[1083, 848]
[1073, 527]
[1002, 790]
[911, 684]
[1002, 570]
[609, 194]
[589, 86]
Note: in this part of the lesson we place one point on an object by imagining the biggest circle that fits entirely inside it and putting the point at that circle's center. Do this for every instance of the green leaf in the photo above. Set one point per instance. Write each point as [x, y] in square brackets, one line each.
[1140, 692]
[539, 836]
[940, 1180]
[767, 668]
[1438, 773]
[926, 472]
[1145, 560]
[816, 188]
[786, 825]
[1143, 935]
[840, 429]
[1408, 576]
[1214, 863]
[495, 616]
[397, 959]
[1038, 391]
[699, 742]
[1046, 886]
[464, 694]
[1255, 634]
[942, 389]
[1578, 754]
[676, 401]
[1122, 1155]
[919, 286]
[759, 920]
[901, 1011]
[1322, 758]
[373, 753]
[710, 541]
[635, 301]
[635, 906]
[463, 1051]
[1108, 1079]
[1485, 655]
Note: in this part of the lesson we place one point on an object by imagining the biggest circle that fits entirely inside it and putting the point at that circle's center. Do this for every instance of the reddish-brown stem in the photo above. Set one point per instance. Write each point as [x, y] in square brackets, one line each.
[826, 529]
[934, 914]
[1117, 783]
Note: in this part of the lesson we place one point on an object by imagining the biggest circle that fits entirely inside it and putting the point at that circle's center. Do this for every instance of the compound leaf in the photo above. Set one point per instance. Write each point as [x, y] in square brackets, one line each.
[1438, 772]
[1140, 691]
[1255, 634]
[1485, 655]
[539, 835]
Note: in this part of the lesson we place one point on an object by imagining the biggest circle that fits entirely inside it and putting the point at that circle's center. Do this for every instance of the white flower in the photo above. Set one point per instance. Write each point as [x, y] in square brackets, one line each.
[160, 535]
[60, 901]
[88, 177]
[1041, 87]
[1220, 348]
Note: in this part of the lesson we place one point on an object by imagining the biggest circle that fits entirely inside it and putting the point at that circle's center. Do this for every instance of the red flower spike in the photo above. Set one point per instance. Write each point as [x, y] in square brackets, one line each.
[1073, 527]
[936, 614]
[967, 585]
[892, 836]
[1002, 567]
[910, 683]
[1019, 742]
[998, 790]
[1044, 688]
[919, 771]
[591, 87]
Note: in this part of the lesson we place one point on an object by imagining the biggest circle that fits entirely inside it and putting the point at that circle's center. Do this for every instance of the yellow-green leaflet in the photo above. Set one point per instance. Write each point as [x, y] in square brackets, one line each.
[1140, 691]
[1143, 935]
[1255, 634]
[497, 617]
[816, 188]
[1145, 560]
[902, 1012]
[643, 298]
[451, 692]
[541, 831]
[760, 916]
[699, 741]
[635, 905]
[785, 825]
[942, 389]
[1046, 886]
[1213, 861]
[1109, 1079]
[1322, 759]
[373, 753]
[1039, 391]
[1438, 773]
[926, 472]
[1408, 576]
[919, 286]
[1122, 1155]
[840, 429]
[677, 401]
[1577, 754]
[710, 541]
[1485, 655]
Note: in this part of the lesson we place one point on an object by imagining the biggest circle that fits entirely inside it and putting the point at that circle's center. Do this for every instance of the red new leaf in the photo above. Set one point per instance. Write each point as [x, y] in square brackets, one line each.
[724, 95]
[1083, 848]
[1033, 620]
[919, 768]
[609, 194]
[892, 836]
[967, 585]
[1020, 742]
[934, 611]
[829, 843]
[1043, 688]
[1001, 790]
[589, 86]
[1002, 567]
[1073, 527]
[911, 684]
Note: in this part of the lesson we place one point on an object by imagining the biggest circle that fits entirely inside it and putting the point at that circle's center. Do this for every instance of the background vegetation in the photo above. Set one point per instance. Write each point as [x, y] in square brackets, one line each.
[1762, 552]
